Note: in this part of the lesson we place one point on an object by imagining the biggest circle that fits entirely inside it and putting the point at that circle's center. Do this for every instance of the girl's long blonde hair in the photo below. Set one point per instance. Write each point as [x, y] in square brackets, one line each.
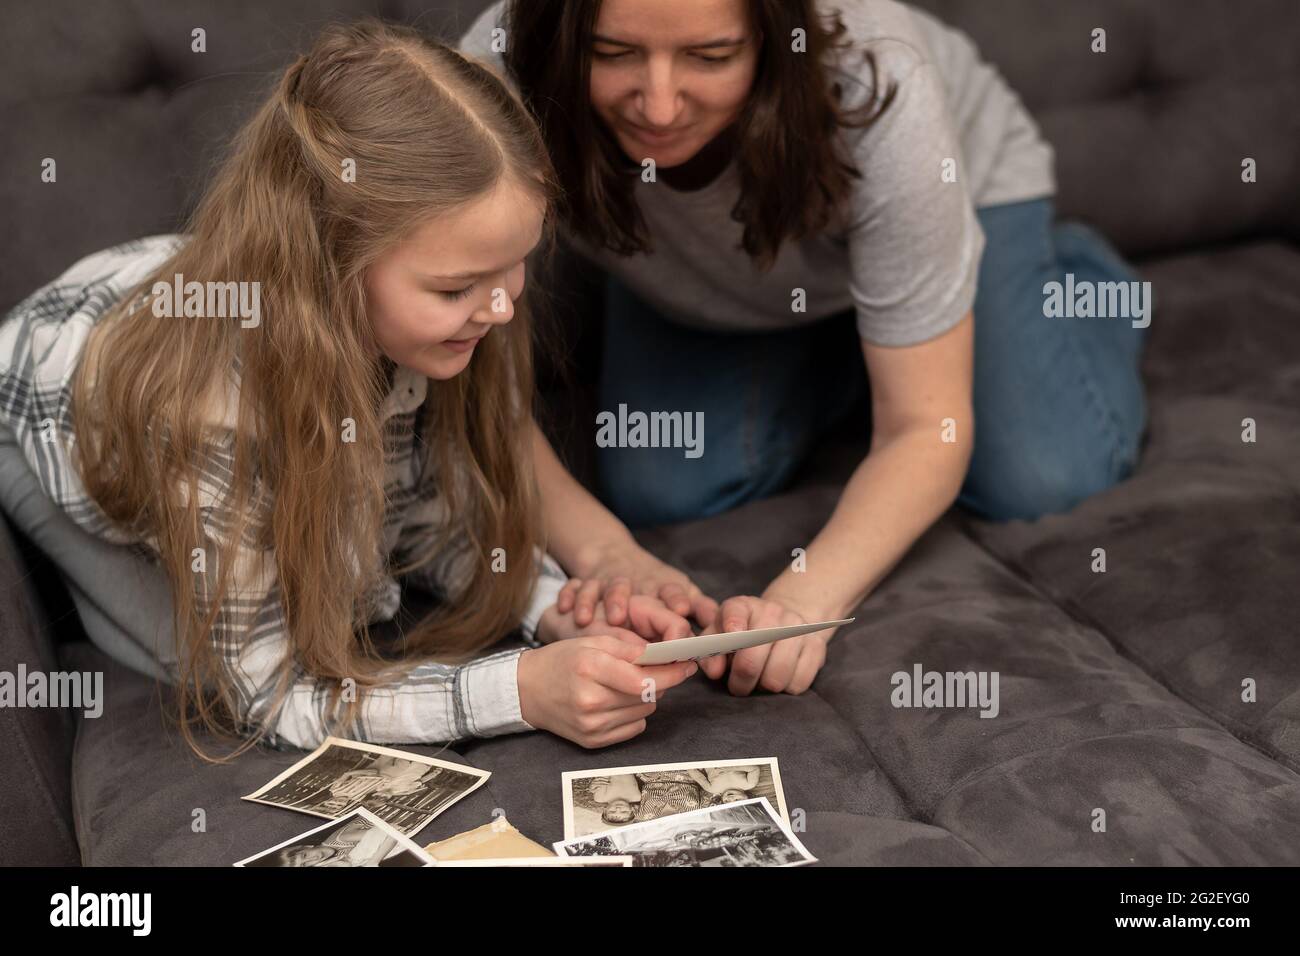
[428, 131]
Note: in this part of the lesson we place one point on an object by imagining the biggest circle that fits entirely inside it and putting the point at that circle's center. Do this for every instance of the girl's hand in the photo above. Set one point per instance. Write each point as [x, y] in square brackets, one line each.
[647, 617]
[615, 572]
[787, 666]
[588, 690]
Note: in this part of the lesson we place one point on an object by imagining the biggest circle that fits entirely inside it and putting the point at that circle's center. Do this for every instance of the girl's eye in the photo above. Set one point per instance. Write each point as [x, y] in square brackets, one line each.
[455, 295]
[603, 55]
[714, 59]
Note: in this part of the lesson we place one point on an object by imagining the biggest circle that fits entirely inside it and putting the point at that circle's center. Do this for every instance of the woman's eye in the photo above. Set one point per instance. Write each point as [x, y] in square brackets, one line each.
[714, 59]
[454, 295]
[604, 55]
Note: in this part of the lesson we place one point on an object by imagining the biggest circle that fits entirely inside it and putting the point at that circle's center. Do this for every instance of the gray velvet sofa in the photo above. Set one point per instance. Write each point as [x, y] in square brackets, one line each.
[1121, 691]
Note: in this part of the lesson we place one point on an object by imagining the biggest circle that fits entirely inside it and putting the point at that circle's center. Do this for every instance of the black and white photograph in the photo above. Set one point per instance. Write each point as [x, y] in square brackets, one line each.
[404, 790]
[358, 839]
[613, 797]
[748, 833]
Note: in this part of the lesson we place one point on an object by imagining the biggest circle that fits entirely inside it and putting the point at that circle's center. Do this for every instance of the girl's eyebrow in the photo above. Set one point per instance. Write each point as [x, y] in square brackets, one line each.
[706, 45]
[455, 276]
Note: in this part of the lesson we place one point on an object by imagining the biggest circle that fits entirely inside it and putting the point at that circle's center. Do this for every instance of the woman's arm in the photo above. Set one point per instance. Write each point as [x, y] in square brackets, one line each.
[910, 476]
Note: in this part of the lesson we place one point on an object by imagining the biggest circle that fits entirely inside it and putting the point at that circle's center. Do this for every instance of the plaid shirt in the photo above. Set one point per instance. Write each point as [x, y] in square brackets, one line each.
[40, 343]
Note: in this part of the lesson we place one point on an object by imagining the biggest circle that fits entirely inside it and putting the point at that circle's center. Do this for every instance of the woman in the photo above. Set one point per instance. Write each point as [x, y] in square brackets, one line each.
[801, 205]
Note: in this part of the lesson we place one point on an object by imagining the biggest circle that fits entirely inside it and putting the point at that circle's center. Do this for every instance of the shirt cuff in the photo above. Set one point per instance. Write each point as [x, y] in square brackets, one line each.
[550, 581]
[488, 695]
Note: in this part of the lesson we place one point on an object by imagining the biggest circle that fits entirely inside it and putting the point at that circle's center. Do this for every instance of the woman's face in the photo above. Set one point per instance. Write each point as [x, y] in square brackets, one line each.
[434, 295]
[667, 76]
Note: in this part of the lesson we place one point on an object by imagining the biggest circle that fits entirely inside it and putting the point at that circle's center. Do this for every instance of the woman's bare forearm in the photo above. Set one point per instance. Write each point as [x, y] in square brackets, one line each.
[901, 488]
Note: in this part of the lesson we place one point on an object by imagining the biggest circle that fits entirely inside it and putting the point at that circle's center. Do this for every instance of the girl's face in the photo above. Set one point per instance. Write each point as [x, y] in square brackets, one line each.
[433, 296]
[667, 76]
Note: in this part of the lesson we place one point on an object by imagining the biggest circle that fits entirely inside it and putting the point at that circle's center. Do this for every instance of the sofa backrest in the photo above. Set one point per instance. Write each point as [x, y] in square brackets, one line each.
[1150, 135]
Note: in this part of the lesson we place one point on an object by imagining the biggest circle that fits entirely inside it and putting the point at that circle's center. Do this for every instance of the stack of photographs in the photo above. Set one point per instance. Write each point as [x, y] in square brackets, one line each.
[712, 813]
[717, 813]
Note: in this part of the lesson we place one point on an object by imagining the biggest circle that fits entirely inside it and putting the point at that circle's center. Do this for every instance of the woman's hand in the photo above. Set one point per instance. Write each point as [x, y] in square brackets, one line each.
[588, 690]
[787, 666]
[611, 574]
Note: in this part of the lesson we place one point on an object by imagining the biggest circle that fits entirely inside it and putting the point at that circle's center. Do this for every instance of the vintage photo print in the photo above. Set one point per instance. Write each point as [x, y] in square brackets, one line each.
[613, 797]
[404, 790]
[733, 834]
[359, 839]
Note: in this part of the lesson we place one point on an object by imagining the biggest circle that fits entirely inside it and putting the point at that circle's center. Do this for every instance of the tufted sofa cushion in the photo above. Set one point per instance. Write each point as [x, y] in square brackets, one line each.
[1149, 136]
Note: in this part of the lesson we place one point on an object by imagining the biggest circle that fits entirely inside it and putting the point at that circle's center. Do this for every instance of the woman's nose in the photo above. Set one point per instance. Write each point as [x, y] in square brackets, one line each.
[659, 97]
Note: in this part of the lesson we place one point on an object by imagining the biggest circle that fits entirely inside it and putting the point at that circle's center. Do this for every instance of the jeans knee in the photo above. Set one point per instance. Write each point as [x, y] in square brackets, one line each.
[645, 491]
[1042, 481]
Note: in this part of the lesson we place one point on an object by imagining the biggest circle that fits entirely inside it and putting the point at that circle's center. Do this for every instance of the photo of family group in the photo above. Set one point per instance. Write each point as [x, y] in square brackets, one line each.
[359, 839]
[599, 800]
[404, 790]
[748, 833]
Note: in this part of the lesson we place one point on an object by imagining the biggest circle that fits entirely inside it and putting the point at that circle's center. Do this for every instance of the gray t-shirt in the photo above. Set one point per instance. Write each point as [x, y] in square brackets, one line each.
[905, 252]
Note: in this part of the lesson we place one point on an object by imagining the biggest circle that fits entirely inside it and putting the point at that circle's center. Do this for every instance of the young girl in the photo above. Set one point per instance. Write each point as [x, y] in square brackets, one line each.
[817, 212]
[319, 389]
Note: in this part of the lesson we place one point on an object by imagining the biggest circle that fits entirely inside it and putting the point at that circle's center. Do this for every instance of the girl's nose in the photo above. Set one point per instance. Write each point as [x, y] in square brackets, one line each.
[500, 308]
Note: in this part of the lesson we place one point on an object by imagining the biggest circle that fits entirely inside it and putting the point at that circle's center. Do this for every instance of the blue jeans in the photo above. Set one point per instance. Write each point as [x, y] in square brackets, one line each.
[1059, 406]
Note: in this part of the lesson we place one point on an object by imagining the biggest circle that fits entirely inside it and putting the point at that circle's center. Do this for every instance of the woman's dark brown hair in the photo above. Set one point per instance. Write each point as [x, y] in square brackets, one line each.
[792, 175]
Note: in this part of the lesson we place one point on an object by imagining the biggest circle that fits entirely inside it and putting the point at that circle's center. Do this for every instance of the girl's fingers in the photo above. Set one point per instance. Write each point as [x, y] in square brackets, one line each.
[617, 736]
[674, 595]
[616, 671]
[584, 610]
[653, 618]
[671, 626]
[617, 595]
[618, 716]
[703, 608]
[564, 600]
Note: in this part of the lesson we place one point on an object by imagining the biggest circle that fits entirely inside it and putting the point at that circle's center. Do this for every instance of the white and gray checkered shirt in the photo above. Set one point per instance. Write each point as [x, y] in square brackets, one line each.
[40, 343]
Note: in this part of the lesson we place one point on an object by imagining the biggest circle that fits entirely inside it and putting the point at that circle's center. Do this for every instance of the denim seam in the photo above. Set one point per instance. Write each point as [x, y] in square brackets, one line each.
[1107, 416]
